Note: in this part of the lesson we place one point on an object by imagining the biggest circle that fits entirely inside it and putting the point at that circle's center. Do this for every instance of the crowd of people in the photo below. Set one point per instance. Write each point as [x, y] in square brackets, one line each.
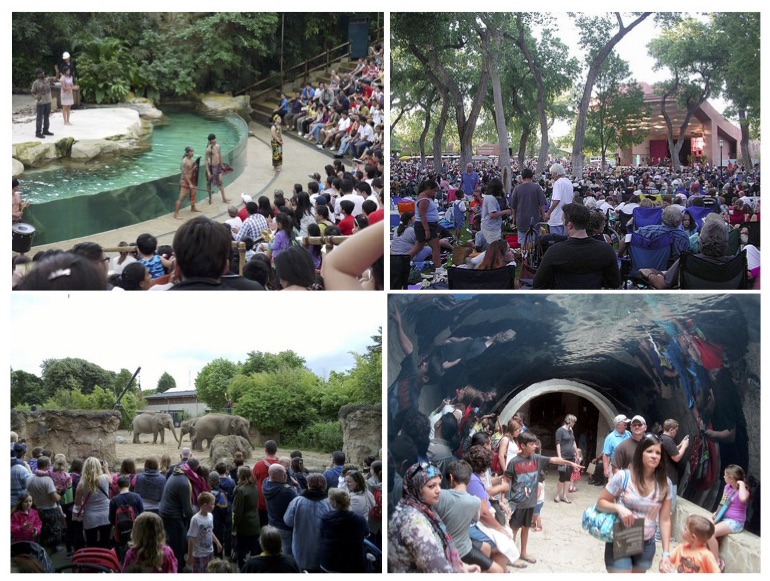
[466, 489]
[274, 517]
[204, 254]
[567, 232]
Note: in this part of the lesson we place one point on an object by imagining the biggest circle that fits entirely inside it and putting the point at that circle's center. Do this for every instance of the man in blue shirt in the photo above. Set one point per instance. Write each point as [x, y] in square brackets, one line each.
[613, 439]
[332, 475]
[469, 180]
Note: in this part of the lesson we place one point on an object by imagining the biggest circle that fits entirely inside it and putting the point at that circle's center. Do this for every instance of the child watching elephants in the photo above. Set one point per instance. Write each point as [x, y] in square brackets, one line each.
[149, 552]
[200, 537]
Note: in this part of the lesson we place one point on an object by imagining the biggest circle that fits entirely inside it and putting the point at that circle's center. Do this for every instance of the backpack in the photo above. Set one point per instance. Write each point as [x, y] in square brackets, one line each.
[124, 522]
[375, 513]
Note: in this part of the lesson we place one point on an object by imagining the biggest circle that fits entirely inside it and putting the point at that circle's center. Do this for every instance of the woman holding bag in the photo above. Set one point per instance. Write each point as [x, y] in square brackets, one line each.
[646, 496]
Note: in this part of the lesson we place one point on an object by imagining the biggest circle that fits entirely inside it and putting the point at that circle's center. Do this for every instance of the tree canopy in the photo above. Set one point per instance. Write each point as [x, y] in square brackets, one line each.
[170, 54]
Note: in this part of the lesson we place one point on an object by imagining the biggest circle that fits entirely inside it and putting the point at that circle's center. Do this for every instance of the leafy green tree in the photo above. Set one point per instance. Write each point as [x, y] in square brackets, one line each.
[257, 361]
[277, 400]
[120, 382]
[618, 109]
[738, 33]
[74, 373]
[105, 70]
[165, 383]
[695, 57]
[213, 381]
[27, 389]
[598, 36]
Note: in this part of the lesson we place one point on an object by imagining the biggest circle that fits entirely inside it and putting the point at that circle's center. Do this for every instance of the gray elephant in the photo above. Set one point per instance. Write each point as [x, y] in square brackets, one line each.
[187, 427]
[210, 425]
[153, 423]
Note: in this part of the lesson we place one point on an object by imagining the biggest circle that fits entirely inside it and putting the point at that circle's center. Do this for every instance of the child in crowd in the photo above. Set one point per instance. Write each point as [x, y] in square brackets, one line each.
[200, 537]
[149, 551]
[121, 506]
[736, 497]
[692, 555]
[25, 522]
[458, 213]
[146, 245]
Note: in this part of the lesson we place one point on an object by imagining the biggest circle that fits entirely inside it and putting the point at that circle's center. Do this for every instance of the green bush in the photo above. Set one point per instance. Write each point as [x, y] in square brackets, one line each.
[320, 437]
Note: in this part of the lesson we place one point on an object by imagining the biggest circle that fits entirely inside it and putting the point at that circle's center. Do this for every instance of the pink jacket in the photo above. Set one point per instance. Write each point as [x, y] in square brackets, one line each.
[18, 532]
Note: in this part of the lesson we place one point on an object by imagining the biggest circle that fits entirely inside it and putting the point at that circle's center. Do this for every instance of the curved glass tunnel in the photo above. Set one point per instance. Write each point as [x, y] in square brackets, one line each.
[682, 356]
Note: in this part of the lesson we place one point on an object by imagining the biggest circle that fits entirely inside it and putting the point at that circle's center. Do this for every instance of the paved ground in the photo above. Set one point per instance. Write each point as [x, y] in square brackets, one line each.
[563, 546]
[258, 178]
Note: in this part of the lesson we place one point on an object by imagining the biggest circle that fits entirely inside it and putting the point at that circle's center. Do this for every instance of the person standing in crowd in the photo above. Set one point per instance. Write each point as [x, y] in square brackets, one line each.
[624, 453]
[646, 495]
[528, 205]
[246, 521]
[563, 194]
[278, 494]
[565, 448]
[418, 540]
[261, 472]
[674, 453]
[613, 439]
[176, 510]
[42, 489]
[304, 515]
[469, 181]
[93, 498]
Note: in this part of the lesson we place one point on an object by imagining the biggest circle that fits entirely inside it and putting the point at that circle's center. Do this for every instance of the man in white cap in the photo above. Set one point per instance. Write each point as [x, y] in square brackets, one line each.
[625, 451]
[613, 440]
[563, 194]
[243, 213]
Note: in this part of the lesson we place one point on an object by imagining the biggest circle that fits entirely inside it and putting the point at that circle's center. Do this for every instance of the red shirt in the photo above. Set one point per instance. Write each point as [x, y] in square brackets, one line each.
[346, 225]
[260, 472]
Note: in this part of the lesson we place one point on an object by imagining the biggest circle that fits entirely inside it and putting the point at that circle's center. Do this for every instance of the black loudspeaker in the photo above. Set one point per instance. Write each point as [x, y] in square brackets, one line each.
[358, 34]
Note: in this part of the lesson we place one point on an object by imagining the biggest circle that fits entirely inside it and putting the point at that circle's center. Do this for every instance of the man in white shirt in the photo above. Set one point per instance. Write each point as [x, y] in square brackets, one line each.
[563, 194]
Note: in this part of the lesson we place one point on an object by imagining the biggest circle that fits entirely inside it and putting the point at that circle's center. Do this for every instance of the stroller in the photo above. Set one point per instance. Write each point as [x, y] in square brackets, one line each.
[93, 560]
[29, 557]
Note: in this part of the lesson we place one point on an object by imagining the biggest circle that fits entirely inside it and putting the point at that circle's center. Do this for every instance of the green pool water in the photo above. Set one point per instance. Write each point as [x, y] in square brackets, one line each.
[166, 147]
[72, 201]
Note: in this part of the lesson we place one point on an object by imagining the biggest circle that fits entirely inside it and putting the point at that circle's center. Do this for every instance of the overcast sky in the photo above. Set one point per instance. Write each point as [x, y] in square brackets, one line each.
[180, 332]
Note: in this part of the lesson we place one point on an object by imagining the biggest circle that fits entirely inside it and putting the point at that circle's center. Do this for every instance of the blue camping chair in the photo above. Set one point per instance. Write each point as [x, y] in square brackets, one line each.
[647, 216]
[652, 252]
[698, 214]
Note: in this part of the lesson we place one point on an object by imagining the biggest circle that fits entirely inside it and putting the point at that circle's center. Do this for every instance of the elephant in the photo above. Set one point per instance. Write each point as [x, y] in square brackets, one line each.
[153, 423]
[186, 428]
[206, 427]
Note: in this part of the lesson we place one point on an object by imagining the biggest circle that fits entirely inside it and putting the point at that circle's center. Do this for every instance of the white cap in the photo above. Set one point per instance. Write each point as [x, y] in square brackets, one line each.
[246, 198]
[66, 55]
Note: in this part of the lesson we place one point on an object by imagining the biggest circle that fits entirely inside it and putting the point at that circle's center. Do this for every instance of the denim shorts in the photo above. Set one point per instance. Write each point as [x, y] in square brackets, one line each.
[735, 526]
[641, 562]
[538, 508]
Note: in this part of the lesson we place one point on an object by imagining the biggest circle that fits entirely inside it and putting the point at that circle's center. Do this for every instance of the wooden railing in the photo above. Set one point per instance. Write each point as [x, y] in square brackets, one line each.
[302, 71]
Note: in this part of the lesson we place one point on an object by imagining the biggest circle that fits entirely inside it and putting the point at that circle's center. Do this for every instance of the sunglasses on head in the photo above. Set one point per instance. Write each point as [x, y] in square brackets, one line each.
[418, 467]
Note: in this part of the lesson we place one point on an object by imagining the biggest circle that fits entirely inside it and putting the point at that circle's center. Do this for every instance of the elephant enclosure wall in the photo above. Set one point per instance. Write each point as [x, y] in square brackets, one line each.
[361, 432]
[76, 434]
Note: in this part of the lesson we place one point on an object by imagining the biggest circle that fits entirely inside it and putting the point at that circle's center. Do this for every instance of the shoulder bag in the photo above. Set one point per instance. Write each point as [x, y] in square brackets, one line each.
[599, 524]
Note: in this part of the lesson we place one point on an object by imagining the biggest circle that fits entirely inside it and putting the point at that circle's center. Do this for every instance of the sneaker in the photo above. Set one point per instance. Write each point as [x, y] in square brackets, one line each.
[47, 133]
[319, 146]
[300, 134]
[39, 135]
[333, 149]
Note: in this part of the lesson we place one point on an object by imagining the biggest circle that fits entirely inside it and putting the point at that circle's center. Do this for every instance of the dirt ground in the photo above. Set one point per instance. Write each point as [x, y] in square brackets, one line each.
[314, 461]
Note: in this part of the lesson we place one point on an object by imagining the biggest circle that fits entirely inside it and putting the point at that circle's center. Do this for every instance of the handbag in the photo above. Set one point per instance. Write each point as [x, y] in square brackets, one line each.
[599, 524]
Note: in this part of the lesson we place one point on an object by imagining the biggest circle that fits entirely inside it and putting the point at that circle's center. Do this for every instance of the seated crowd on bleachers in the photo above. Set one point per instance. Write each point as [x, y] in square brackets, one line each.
[617, 228]
[274, 517]
[278, 254]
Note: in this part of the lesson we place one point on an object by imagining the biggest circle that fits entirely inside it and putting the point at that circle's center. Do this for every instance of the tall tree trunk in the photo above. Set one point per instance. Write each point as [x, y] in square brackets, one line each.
[585, 101]
[523, 147]
[540, 98]
[745, 153]
[438, 135]
[491, 39]
[423, 135]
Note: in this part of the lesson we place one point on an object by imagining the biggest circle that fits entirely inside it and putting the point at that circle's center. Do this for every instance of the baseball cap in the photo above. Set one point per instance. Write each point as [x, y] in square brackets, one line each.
[246, 198]
[620, 418]
[638, 419]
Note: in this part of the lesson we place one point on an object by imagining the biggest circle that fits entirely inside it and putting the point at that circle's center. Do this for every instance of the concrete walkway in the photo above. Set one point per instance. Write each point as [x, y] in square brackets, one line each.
[300, 159]
[563, 546]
